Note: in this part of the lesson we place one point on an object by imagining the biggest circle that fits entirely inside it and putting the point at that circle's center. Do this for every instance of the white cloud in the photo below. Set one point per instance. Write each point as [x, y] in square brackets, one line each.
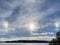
[7, 7]
[46, 38]
[28, 13]
[31, 14]
[30, 7]
[43, 33]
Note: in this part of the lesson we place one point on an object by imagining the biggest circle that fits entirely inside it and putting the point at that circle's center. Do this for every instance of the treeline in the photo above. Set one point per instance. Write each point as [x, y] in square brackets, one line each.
[27, 41]
[57, 40]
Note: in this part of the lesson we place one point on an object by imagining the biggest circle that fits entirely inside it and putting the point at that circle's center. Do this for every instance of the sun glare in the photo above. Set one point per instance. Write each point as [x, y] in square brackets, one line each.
[32, 26]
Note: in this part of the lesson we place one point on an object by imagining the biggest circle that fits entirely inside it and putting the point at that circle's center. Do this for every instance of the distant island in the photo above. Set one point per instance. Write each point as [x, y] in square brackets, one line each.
[26, 41]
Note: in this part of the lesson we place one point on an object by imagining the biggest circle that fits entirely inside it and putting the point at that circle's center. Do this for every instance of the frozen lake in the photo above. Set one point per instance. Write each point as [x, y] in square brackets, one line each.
[24, 43]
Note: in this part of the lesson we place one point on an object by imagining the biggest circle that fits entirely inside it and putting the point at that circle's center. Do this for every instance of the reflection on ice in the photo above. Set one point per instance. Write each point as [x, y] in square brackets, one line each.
[24, 43]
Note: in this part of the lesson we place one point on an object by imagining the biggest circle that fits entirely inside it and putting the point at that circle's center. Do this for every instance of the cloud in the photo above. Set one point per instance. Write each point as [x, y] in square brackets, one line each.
[29, 11]
[6, 7]
[46, 38]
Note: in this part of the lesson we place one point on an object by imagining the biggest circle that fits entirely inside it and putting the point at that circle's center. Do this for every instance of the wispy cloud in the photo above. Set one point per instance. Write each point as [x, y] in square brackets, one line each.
[29, 11]
[46, 38]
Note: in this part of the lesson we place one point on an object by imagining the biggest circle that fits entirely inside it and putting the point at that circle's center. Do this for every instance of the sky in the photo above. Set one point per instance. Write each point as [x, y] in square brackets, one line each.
[29, 18]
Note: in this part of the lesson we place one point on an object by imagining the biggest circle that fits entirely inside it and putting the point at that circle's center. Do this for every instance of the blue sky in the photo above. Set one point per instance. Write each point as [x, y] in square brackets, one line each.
[16, 16]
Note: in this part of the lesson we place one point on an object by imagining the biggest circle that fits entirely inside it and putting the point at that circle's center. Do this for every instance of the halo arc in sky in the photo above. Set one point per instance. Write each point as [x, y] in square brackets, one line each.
[4, 24]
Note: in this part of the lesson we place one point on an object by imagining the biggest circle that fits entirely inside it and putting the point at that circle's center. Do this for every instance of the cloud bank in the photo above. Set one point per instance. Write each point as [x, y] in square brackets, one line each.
[19, 13]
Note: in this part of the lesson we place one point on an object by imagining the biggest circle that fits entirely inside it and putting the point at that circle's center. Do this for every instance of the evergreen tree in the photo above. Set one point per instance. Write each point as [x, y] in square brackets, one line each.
[57, 40]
